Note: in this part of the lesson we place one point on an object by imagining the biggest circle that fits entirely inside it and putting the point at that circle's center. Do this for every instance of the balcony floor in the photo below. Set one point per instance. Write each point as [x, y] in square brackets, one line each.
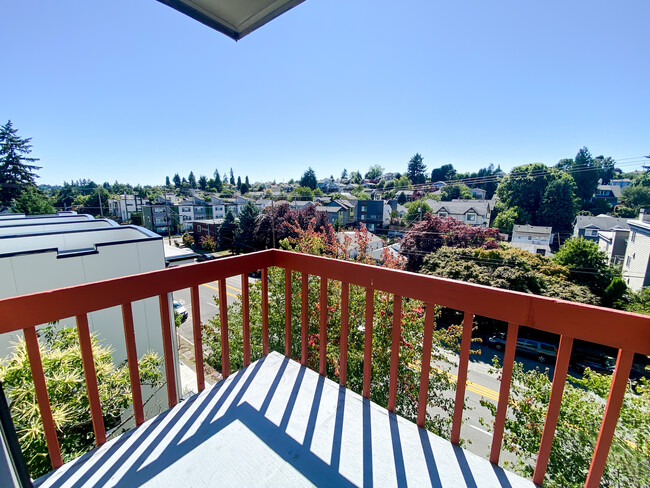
[276, 423]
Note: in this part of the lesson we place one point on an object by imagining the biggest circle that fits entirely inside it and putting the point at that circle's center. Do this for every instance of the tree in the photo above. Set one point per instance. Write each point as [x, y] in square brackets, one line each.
[416, 211]
[636, 197]
[451, 192]
[433, 232]
[506, 220]
[16, 170]
[226, 235]
[579, 421]
[66, 388]
[302, 193]
[136, 218]
[97, 202]
[401, 198]
[524, 187]
[586, 172]
[309, 179]
[167, 182]
[587, 264]
[281, 222]
[374, 172]
[416, 169]
[208, 244]
[344, 174]
[607, 168]
[239, 183]
[248, 184]
[245, 235]
[559, 204]
[34, 202]
[445, 172]
[191, 179]
[244, 189]
[203, 182]
[177, 181]
[232, 178]
[355, 178]
[218, 185]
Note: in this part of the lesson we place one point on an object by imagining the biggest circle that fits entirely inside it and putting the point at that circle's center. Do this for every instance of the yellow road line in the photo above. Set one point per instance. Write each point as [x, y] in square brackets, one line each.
[229, 286]
[475, 387]
[217, 289]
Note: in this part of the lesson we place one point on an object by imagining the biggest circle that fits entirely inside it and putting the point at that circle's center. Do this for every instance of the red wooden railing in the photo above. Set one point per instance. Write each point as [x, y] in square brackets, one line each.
[627, 332]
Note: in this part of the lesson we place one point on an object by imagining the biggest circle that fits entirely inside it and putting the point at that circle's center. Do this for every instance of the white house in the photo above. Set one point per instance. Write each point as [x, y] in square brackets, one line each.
[218, 208]
[125, 205]
[532, 238]
[637, 254]
[374, 242]
[472, 212]
[614, 243]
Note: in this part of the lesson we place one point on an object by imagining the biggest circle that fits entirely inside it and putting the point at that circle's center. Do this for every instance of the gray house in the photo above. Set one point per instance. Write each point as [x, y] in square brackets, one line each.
[588, 226]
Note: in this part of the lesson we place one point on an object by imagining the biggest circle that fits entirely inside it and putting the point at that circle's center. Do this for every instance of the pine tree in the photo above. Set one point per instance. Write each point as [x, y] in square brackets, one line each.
[16, 172]
[218, 185]
[247, 182]
[177, 181]
[239, 183]
[232, 177]
[245, 237]
[203, 182]
[227, 232]
[191, 179]
[309, 179]
[167, 182]
[416, 169]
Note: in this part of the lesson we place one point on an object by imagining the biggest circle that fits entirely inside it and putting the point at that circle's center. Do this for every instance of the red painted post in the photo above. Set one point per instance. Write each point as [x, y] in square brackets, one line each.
[553, 412]
[367, 347]
[170, 374]
[287, 312]
[36, 365]
[345, 299]
[198, 338]
[394, 352]
[461, 382]
[504, 392]
[265, 311]
[132, 359]
[612, 411]
[88, 362]
[426, 364]
[223, 327]
[246, 330]
[322, 338]
[304, 318]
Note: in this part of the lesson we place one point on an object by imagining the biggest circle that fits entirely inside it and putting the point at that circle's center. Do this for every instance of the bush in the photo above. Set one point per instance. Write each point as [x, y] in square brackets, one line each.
[208, 244]
[188, 240]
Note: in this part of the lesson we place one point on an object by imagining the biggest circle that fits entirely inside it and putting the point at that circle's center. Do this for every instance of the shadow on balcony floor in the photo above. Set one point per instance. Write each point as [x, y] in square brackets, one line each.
[276, 423]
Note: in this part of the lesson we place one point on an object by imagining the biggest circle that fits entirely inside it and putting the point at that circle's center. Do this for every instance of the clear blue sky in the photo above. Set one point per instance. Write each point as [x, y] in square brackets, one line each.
[133, 90]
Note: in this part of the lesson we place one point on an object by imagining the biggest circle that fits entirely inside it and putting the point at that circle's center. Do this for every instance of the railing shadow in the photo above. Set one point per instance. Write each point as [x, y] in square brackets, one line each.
[186, 435]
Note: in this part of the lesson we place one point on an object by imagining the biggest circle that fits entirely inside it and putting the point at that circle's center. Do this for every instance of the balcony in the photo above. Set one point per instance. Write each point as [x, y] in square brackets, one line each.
[276, 422]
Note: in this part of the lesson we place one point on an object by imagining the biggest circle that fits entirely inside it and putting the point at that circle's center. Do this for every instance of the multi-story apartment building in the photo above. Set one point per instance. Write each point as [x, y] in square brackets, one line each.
[122, 207]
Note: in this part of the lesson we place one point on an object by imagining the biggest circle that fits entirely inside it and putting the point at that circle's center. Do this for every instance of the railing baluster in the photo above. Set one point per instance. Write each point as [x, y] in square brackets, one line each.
[304, 318]
[461, 382]
[610, 418]
[91, 379]
[343, 367]
[504, 392]
[170, 374]
[246, 331]
[265, 311]
[36, 365]
[198, 337]
[367, 347]
[322, 338]
[553, 412]
[394, 352]
[132, 359]
[287, 312]
[223, 326]
[426, 363]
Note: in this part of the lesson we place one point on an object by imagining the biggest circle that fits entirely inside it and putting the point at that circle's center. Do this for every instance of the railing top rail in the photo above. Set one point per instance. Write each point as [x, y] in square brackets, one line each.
[622, 330]
[17, 313]
[614, 328]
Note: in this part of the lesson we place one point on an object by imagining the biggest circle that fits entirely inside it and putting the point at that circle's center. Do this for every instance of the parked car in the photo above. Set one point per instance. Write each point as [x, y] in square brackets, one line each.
[600, 363]
[542, 351]
[180, 310]
[205, 257]
[255, 274]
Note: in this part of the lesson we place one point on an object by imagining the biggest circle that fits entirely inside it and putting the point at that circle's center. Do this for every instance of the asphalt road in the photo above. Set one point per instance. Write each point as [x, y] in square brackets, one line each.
[483, 383]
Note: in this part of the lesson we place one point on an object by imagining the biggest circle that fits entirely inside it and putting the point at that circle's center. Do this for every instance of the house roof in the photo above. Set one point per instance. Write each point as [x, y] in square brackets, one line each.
[481, 207]
[234, 18]
[615, 189]
[532, 229]
[601, 222]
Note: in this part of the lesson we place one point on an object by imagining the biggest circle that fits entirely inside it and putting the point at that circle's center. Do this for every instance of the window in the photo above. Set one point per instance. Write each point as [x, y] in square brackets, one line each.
[364, 208]
[186, 209]
[470, 217]
[627, 262]
[633, 235]
[591, 232]
[442, 214]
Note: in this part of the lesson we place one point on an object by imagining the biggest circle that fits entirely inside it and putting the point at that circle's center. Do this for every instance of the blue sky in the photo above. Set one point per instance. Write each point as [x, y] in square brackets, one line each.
[132, 90]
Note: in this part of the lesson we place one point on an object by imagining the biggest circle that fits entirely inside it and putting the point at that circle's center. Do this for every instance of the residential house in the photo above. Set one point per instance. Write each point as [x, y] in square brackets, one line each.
[161, 219]
[532, 238]
[478, 193]
[349, 240]
[335, 213]
[614, 243]
[206, 227]
[609, 193]
[622, 182]
[193, 209]
[218, 207]
[370, 213]
[588, 226]
[263, 203]
[636, 264]
[348, 214]
[471, 212]
[122, 207]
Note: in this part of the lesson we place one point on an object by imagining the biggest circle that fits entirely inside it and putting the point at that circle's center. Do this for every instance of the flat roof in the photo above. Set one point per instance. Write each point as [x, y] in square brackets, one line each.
[234, 18]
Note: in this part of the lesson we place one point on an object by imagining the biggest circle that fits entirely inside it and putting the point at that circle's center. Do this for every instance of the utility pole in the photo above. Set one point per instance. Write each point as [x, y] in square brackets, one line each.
[273, 222]
[99, 195]
[169, 228]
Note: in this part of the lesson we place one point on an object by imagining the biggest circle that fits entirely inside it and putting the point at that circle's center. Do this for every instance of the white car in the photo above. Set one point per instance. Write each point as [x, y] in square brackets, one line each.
[180, 310]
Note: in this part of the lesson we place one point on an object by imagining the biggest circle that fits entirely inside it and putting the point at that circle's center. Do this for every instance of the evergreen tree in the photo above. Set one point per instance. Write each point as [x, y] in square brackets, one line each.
[445, 172]
[416, 169]
[167, 182]
[309, 179]
[203, 182]
[232, 177]
[239, 183]
[227, 232]
[586, 172]
[218, 185]
[248, 184]
[191, 179]
[177, 181]
[16, 170]
[559, 206]
[245, 236]
[344, 175]
[34, 202]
